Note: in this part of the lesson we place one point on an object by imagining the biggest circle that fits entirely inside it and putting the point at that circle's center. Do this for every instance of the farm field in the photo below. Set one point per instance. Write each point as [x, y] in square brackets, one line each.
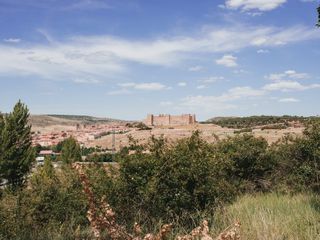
[209, 132]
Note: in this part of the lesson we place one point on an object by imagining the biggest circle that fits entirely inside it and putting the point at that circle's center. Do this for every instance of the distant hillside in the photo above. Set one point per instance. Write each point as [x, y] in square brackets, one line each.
[67, 120]
[253, 121]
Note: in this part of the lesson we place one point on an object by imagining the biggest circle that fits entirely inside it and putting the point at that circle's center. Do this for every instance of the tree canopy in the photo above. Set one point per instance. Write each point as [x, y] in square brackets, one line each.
[70, 151]
[16, 152]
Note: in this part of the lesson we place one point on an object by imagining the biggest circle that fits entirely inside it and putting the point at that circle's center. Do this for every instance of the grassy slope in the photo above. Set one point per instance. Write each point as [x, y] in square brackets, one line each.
[67, 120]
[273, 217]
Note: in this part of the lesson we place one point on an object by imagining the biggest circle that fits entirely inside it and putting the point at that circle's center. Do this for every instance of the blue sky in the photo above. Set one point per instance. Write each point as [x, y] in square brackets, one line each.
[126, 58]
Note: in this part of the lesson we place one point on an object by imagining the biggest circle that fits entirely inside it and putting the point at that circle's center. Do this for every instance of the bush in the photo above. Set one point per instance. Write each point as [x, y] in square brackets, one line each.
[299, 160]
[251, 162]
[244, 130]
[53, 205]
[169, 182]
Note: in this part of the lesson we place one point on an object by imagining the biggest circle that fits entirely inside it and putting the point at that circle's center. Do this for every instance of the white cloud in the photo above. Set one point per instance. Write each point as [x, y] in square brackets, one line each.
[86, 80]
[201, 86]
[223, 101]
[152, 86]
[88, 5]
[12, 40]
[182, 84]
[286, 86]
[261, 5]
[195, 68]
[259, 41]
[211, 79]
[227, 61]
[106, 56]
[289, 100]
[262, 51]
[289, 74]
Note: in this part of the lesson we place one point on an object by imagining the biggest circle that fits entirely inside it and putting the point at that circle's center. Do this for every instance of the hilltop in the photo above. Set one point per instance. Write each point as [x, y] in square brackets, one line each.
[67, 120]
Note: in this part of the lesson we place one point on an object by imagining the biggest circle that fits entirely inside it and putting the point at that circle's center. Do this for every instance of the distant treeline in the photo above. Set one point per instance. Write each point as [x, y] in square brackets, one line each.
[253, 121]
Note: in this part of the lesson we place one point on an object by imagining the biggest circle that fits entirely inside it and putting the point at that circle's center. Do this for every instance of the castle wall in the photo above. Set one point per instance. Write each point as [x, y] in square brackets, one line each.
[167, 120]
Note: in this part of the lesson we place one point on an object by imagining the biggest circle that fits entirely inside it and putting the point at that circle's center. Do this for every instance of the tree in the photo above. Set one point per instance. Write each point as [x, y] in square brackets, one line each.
[318, 24]
[70, 151]
[16, 149]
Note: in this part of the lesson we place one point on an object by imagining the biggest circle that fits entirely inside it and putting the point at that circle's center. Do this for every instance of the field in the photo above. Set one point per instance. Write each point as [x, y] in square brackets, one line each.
[209, 132]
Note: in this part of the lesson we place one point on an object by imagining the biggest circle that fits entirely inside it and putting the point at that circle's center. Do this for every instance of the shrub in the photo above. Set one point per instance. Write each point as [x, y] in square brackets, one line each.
[244, 130]
[299, 160]
[251, 162]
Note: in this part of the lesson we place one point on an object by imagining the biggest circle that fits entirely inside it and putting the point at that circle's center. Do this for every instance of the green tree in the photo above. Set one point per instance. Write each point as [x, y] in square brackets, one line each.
[16, 149]
[318, 24]
[71, 151]
[299, 160]
[251, 163]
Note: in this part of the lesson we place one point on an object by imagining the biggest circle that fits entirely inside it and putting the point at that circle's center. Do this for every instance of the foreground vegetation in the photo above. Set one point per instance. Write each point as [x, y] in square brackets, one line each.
[272, 190]
[273, 216]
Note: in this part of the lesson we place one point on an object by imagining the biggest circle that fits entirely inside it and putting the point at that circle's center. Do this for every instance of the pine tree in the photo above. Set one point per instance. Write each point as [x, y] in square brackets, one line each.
[318, 24]
[16, 149]
[71, 151]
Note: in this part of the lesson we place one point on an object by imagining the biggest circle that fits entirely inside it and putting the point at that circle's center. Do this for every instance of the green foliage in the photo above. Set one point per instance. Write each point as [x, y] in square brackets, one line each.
[100, 157]
[139, 125]
[253, 121]
[272, 216]
[1, 122]
[188, 178]
[274, 126]
[16, 152]
[243, 130]
[53, 205]
[299, 160]
[182, 182]
[318, 23]
[70, 151]
[169, 182]
[251, 162]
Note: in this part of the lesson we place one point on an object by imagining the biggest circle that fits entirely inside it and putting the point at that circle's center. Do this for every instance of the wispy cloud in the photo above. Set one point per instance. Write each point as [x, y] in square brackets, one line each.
[12, 40]
[88, 5]
[104, 56]
[195, 68]
[286, 86]
[211, 79]
[289, 100]
[262, 51]
[182, 84]
[224, 101]
[261, 5]
[287, 75]
[119, 92]
[151, 86]
[227, 61]
[86, 81]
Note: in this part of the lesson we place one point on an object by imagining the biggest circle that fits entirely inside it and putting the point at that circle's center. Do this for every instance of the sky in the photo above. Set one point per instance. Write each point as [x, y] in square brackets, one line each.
[126, 58]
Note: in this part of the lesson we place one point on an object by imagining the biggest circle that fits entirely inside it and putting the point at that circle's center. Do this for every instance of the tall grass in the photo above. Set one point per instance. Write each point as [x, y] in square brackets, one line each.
[273, 217]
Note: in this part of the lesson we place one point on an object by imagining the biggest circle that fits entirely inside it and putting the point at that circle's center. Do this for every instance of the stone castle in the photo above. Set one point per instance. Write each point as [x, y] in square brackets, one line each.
[167, 120]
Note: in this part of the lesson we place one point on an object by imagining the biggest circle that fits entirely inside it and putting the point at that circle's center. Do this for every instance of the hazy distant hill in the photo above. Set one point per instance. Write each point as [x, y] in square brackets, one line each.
[68, 120]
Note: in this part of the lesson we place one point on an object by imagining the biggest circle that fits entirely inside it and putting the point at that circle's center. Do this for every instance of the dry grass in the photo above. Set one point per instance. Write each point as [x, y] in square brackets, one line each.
[274, 217]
